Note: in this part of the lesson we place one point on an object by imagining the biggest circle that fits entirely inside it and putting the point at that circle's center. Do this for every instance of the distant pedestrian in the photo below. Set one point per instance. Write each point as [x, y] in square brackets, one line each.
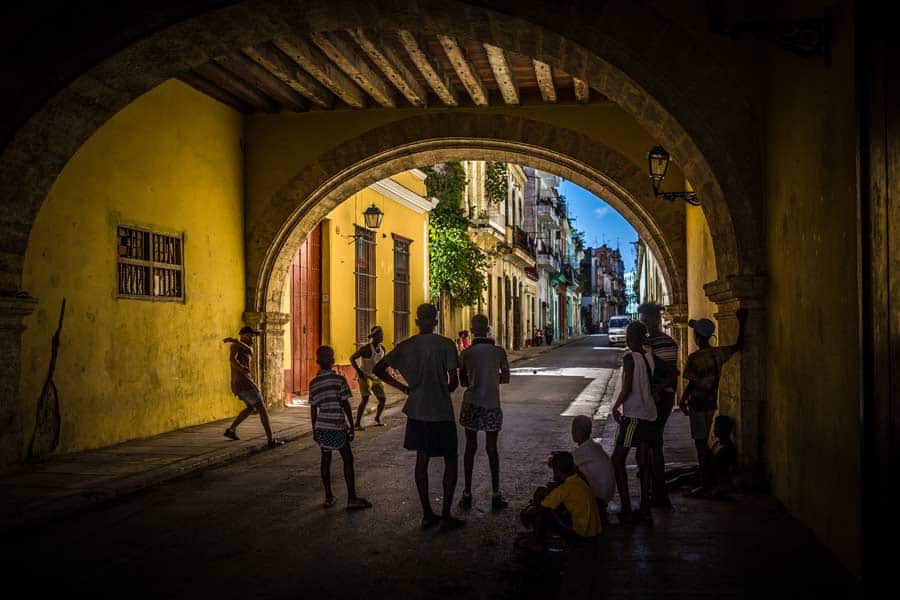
[703, 370]
[548, 334]
[363, 361]
[332, 421]
[462, 340]
[594, 464]
[484, 367]
[666, 349]
[635, 411]
[429, 363]
[244, 387]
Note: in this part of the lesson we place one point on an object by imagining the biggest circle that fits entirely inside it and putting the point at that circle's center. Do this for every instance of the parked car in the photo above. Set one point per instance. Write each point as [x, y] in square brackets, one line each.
[617, 327]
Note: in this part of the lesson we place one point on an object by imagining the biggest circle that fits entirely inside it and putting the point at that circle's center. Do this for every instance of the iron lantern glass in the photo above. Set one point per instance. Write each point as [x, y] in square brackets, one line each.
[658, 161]
[373, 216]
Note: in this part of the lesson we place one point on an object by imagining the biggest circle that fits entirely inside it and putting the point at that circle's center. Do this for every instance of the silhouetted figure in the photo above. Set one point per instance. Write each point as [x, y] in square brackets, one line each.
[244, 387]
[332, 421]
[723, 456]
[484, 367]
[428, 362]
[368, 356]
[594, 464]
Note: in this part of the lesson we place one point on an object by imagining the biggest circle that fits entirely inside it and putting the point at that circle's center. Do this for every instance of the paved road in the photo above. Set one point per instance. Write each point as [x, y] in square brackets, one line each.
[256, 529]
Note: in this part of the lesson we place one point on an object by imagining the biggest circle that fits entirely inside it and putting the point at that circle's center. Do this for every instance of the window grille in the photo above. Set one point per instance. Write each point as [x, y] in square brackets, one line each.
[401, 289]
[365, 284]
[150, 265]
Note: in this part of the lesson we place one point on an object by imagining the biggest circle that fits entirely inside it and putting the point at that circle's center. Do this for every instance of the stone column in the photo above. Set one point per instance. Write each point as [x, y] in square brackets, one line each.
[13, 310]
[269, 354]
[742, 390]
[678, 315]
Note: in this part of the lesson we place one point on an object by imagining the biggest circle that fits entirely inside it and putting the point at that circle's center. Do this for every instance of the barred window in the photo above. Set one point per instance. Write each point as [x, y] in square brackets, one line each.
[401, 288]
[150, 265]
[365, 284]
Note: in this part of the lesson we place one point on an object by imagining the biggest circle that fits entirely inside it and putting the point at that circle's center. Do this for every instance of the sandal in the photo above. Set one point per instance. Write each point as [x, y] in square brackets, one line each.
[329, 502]
[358, 503]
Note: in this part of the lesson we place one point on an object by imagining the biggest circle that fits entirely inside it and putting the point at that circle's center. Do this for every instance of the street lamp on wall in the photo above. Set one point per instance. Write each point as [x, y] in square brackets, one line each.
[373, 216]
[658, 163]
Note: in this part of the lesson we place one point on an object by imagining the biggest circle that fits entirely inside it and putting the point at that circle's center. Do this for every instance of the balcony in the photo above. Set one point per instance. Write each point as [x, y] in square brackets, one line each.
[524, 247]
[489, 222]
[549, 261]
[547, 213]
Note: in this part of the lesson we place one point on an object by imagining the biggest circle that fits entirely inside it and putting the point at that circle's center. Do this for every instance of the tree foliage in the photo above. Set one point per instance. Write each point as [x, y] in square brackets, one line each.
[496, 182]
[456, 264]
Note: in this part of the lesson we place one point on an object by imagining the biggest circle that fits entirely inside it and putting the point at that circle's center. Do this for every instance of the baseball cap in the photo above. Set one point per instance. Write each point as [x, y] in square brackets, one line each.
[704, 327]
[248, 329]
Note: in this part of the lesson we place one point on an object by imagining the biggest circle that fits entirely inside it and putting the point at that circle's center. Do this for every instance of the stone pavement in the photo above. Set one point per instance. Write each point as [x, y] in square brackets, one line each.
[69, 483]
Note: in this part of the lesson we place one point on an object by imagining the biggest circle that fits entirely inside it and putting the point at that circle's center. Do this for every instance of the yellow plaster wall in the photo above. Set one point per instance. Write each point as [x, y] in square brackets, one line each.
[130, 368]
[812, 429]
[339, 281]
[701, 267]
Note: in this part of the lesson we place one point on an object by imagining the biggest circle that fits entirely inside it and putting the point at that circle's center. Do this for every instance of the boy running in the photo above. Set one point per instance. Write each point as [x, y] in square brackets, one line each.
[484, 368]
[332, 421]
[369, 354]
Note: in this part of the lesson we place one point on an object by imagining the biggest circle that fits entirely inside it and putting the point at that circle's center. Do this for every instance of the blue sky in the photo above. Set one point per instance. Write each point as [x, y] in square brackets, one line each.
[599, 221]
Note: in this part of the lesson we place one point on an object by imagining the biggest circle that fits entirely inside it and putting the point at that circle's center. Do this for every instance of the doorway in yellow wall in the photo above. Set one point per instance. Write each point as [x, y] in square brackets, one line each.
[306, 314]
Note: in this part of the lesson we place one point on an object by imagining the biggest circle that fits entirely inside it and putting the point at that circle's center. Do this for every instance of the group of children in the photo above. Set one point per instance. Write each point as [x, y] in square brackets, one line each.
[573, 506]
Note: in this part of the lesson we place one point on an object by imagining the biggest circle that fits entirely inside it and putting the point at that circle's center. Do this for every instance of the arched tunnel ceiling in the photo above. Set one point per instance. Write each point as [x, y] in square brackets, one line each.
[360, 68]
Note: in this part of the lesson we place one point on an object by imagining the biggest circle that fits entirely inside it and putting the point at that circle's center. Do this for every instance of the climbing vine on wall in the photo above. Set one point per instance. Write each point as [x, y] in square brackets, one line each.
[456, 264]
[496, 182]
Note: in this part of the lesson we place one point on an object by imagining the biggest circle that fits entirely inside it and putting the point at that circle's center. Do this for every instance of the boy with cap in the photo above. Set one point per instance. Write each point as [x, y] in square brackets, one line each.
[370, 354]
[428, 362]
[700, 399]
[244, 387]
[332, 421]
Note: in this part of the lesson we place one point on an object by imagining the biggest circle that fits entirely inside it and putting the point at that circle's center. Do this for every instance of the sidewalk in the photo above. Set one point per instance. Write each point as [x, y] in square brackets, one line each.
[72, 482]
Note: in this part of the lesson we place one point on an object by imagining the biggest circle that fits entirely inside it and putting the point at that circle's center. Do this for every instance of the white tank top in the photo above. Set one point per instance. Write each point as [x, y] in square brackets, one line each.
[367, 364]
[639, 403]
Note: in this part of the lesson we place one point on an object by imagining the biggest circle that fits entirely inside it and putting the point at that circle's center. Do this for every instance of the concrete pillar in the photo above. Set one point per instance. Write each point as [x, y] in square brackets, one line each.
[678, 318]
[13, 310]
[269, 354]
[742, 390]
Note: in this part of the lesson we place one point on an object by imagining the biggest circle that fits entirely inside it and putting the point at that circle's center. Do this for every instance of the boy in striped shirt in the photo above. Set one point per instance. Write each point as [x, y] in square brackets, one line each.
[332, 421]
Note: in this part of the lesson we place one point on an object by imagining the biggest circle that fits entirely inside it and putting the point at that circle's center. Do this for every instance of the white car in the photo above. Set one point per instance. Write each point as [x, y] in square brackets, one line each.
[617, 327]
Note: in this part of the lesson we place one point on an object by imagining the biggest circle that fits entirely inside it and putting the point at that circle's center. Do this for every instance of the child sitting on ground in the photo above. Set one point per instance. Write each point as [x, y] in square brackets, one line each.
[594, 465]
[565, 507]
[723, 455]
[332, 421]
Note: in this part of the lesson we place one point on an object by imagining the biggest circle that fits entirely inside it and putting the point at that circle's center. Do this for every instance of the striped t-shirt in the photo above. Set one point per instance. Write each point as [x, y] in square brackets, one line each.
[665, 348]
[328, 391]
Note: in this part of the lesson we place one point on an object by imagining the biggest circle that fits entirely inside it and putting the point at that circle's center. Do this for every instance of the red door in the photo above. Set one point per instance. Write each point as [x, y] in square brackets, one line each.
[306, 311]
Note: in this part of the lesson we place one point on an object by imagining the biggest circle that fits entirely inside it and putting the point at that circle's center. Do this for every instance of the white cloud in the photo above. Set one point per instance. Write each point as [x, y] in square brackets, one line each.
[601, 212]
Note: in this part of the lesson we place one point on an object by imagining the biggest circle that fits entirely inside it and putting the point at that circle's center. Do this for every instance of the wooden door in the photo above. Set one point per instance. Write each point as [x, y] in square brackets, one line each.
[306, 311]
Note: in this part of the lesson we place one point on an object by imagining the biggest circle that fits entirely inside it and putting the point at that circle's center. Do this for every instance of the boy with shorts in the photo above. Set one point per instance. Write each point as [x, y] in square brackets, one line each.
[368, 356]
[332, 421]
[484, 368]
[244, 387]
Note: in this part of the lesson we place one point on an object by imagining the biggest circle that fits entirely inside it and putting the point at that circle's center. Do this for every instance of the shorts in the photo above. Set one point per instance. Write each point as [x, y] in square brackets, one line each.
[701, 423]
[434, 438]
[634, 431]
[251, 397]
[479, 418]
[331, 439]
[368, 386]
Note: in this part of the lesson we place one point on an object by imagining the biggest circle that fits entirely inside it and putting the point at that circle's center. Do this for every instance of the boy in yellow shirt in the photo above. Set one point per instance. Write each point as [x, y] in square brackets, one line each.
[566, 506]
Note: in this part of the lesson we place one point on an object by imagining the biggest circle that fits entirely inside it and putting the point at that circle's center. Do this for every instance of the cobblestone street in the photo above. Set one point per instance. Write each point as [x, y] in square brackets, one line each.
[255, 528]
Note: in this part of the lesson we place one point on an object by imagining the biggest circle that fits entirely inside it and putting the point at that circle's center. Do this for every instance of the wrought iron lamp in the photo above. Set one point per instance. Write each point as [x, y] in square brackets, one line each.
[658, 163]
[373, 216]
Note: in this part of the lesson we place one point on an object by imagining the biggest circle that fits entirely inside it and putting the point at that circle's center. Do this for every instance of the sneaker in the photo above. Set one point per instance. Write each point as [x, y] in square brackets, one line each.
[498, 503]
[232, 434]
[465, 502]
[275, 442]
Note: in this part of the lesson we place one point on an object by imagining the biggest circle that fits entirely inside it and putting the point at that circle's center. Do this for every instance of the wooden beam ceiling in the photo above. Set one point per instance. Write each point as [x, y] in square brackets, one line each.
[438, 82]
[582, 90]
[384, 57]
[250, 72]
[351, 63]
[467, 75]
[545, 81]
[317, 64]
[503, 73]
[223, 78]
[290, 73]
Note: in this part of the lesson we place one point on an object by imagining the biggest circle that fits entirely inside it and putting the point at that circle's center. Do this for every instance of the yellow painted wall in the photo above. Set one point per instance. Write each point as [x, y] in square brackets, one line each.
[131, 368]
[812, 430]
[339, 281]
[701, 267]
